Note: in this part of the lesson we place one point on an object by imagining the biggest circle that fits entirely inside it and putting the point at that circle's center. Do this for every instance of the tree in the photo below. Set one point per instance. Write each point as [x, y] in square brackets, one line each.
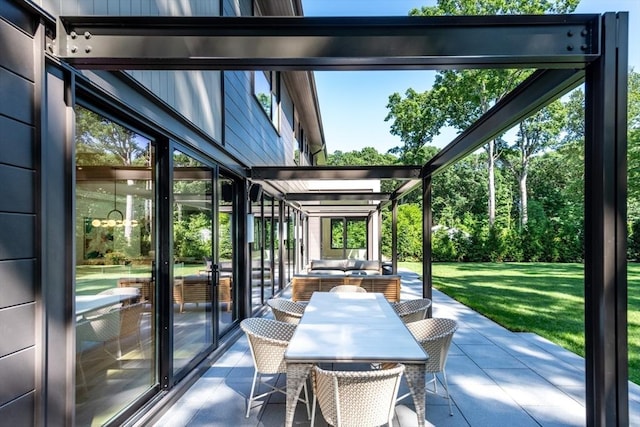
[100, 141]
[633, 141]
[410, 239]
[535, 135]
[458, 191]
[368, 156]
[459, 98]
[416, 119]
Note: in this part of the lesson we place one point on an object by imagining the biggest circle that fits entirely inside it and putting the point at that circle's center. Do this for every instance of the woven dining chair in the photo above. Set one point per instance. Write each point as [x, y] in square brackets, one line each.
[412, 310]
[268, 340]
[286, 310]
[105, 327]
[356, 398]
[435, 335]
[348, 288]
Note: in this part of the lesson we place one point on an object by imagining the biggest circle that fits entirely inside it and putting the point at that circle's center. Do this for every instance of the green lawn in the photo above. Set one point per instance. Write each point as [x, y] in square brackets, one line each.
[544, 298]
[91, 279]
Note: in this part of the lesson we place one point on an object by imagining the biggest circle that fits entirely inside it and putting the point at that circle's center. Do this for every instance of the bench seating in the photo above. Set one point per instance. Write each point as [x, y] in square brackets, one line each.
[303, 286]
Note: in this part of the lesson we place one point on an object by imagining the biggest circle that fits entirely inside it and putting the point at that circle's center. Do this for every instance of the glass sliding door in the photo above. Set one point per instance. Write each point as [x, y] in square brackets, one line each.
[114, 263]
[356, 238]
[268, 249]
[344, 238]
[258, 271]
[290, 242]
[225, 250]
[193, 219]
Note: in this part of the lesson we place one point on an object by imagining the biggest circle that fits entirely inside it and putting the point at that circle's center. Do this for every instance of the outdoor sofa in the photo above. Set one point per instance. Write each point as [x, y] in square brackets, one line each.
[345, 267]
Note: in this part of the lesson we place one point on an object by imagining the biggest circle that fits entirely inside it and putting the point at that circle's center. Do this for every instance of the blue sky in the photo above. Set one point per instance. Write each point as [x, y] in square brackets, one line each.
[353, 103]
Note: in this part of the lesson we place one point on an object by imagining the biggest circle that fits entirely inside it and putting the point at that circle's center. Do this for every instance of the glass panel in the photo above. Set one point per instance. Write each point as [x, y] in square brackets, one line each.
[356, 241]
[269, 237]
[275, 225]
[114, 283]
[226, 251]
[337, 233]
[262, 90]
[357, 233]
[291, 243]
[258, 271]
[192, 252]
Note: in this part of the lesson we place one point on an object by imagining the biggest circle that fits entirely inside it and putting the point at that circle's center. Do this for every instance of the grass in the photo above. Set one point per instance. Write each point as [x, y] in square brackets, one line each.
[91, 279]
[544, 298]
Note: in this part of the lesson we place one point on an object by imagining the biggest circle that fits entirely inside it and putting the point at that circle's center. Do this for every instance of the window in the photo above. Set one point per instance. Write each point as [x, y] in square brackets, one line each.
[348, 233]
[300, 148]
[266, 89]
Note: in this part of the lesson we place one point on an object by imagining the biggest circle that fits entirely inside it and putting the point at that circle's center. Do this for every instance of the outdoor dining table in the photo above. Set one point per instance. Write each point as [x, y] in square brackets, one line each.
[88, 303]
[352, 328]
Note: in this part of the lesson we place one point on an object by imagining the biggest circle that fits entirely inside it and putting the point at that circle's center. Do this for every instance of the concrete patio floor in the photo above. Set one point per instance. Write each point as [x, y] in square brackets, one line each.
[496, 378]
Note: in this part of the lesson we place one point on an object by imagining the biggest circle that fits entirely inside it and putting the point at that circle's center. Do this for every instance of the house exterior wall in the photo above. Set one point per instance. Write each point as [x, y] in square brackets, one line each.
[313, 246]
[17, 216]
[250, 134]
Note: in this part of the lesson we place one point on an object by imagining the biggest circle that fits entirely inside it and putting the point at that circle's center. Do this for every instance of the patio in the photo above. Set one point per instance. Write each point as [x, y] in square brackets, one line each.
[496, 378]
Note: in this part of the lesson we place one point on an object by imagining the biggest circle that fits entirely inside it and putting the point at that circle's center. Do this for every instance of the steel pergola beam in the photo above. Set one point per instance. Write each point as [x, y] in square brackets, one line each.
[334, 172]
[342, 195]
[606, 348]
[328, 43]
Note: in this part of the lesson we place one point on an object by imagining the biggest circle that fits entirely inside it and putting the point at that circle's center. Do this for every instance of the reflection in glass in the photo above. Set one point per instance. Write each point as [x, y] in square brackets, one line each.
[225, 251]
[192, 253]
[114, 286]
[268, 250]
[258, 272]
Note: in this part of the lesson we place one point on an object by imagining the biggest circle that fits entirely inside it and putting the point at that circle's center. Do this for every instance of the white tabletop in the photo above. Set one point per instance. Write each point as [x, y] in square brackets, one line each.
[352, 327]
[88, 303]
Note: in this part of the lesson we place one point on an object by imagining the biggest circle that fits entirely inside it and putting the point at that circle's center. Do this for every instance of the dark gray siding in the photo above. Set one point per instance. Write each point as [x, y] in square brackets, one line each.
[249, 133]
[17, 219]
[196, 95]
[131, 7]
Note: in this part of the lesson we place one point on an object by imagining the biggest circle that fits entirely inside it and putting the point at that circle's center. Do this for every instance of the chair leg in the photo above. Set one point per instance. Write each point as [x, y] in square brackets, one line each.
[446, 388]
[306, 400]
[257, 380]
[79, 366]
[313, 411]
[119, 352]
[253, 386]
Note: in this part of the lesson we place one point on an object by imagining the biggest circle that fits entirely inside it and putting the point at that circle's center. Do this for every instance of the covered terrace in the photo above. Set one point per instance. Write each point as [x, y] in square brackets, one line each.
[566, 51]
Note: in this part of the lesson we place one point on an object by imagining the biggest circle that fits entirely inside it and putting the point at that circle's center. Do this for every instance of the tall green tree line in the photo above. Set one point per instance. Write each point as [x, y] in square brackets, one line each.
[522, 198]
